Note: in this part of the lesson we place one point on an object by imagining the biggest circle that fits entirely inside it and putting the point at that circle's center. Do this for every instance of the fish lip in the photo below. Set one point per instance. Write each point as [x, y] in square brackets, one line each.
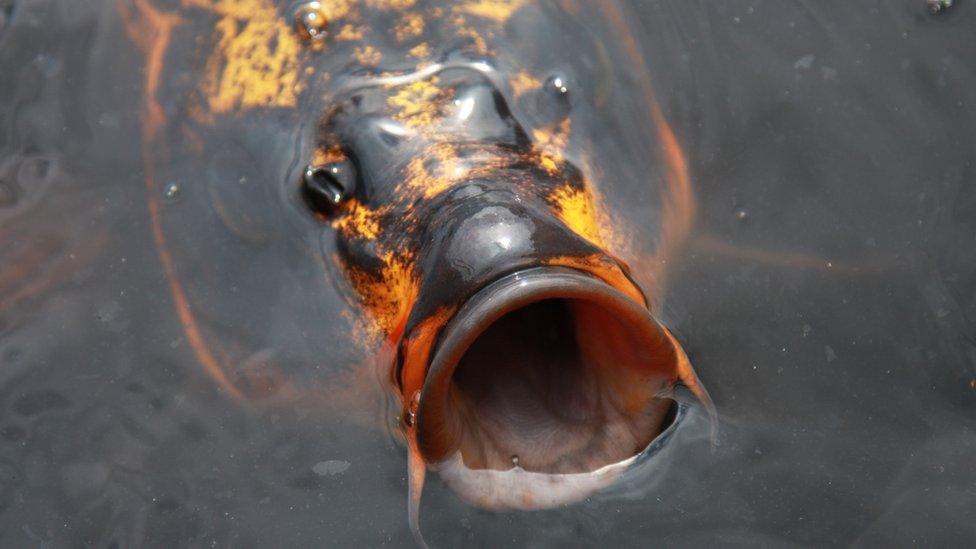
[518, 489]
[437, 435]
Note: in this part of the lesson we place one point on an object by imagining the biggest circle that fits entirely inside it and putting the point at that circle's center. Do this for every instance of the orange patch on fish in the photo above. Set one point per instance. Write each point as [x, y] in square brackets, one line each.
[411, 25]
[553, 139]
[386, 295]
[463, 30]
[499, 11]
[390, 5]
[420, 51]
[349, 33]
[522, 83]
[367, 55]
[417, 349]
[578, 210]
[607, 270]
[358, 221]
[255, 63]
[416, 104]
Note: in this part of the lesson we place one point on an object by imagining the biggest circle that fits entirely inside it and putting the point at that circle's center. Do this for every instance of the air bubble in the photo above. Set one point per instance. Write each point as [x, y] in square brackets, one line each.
[172, 190]
[515, 460]
[556, 85]
[310, 22]
[410, 417]
[938, 6]
[553, 103]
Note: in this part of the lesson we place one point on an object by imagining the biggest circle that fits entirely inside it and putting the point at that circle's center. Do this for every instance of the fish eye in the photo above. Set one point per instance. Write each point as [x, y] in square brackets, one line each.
[325, 187]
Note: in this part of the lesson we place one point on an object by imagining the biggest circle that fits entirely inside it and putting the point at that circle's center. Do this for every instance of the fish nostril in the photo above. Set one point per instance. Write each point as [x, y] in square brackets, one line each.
[325, 187]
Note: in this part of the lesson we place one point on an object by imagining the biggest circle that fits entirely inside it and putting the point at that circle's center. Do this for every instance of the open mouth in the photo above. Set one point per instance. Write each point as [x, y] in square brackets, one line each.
[549, 371]
[551, 388]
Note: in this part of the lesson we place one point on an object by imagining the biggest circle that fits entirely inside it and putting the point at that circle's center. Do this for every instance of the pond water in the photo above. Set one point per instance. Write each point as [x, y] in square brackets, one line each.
[826, 297]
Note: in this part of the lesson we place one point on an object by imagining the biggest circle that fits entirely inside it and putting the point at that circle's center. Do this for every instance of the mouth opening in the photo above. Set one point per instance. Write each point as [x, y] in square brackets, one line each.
[549, 370]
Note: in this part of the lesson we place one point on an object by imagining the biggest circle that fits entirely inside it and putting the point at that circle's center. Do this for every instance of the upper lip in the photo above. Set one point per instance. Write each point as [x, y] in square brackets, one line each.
[488, 305]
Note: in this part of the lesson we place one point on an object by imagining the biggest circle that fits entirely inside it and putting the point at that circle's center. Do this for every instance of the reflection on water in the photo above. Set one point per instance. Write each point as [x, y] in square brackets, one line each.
[826, 298]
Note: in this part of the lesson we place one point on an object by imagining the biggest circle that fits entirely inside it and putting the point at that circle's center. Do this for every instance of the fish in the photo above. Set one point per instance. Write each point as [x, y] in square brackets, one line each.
[480, 199]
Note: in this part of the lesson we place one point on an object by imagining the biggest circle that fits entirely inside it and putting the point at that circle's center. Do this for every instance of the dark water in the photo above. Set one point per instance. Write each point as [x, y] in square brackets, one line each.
[826, 299]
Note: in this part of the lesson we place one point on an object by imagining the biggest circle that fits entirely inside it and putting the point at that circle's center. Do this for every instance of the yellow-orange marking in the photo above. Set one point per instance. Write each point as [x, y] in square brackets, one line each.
[349, 33]
[523, 82]
[411, 25]
[420, 51]
[388, 295]
[499, 11]
[358, 221]
[367, 55]
[390, 5]
[255, 63]
[577, 209]
[417, 103]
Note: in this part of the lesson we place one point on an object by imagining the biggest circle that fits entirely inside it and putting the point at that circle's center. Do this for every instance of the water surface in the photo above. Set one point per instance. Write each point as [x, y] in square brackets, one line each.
[827, 299]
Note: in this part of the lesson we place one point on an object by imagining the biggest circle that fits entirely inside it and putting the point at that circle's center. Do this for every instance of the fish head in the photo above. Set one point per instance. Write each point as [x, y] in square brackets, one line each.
[480, 209]
[522, 342]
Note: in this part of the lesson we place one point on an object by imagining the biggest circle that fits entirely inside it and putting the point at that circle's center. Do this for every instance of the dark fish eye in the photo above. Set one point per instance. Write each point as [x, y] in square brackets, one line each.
[325, 187]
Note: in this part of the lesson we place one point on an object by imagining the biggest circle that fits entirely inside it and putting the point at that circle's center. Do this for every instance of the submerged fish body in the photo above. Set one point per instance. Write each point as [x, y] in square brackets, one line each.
[478, 199]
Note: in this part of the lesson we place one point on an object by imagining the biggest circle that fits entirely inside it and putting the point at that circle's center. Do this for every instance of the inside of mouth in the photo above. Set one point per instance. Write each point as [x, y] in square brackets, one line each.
[560, 386]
